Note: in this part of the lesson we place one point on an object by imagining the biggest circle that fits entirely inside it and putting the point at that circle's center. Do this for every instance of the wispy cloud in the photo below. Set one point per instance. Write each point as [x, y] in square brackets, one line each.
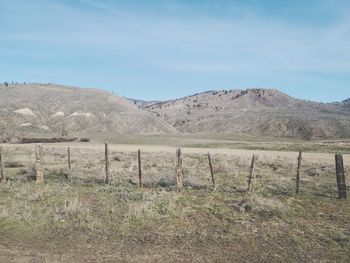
[216, 37]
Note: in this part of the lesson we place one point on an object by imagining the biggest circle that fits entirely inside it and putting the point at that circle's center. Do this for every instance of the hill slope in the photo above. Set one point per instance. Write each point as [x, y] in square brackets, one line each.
[255, 111]
[38, 109]
[46, 108]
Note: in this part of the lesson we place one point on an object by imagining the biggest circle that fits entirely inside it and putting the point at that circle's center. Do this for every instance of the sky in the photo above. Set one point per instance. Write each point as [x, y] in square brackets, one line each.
[165, 49]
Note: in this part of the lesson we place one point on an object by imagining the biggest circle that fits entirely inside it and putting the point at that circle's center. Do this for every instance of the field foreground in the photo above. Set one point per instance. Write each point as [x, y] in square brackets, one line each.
[74, 217]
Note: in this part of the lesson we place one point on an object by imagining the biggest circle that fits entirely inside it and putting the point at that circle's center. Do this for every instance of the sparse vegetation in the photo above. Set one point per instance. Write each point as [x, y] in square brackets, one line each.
[74, 210]
[195, 224]
[260, 112]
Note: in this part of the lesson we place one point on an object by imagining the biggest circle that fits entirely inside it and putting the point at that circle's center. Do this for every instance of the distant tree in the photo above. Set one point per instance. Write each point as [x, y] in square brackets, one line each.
[188, 109]
[64, 131]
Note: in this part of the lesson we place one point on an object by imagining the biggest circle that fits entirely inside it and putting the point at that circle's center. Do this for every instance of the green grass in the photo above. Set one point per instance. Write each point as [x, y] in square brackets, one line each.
[278, 146]
[233, 141]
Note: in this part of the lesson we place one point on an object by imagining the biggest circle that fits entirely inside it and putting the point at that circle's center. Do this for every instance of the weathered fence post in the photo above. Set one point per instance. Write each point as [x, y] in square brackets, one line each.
[340, 176]
[178, 169]
[297, 183]
[107, 179]
[39, 171]
[140, 170]
[2, 170]
[69, 164]
[211, 172]
[252, 167]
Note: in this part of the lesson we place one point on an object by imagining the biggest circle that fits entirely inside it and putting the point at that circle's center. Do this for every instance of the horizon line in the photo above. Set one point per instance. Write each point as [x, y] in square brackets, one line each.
[168, 99]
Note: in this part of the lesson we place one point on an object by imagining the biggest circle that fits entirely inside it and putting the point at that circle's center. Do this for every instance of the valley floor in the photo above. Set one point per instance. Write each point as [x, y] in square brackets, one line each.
[85, 220]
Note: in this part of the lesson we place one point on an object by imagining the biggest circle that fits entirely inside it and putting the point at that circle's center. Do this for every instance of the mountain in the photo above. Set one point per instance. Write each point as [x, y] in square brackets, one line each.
[48, 108]
[255, 111]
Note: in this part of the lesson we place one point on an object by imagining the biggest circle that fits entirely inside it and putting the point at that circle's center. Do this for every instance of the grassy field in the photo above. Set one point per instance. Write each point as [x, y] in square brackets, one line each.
[85, 220]
[233, 141]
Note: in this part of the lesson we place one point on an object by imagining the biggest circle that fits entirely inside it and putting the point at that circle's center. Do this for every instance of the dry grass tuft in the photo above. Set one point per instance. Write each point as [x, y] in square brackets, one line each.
[266, 207]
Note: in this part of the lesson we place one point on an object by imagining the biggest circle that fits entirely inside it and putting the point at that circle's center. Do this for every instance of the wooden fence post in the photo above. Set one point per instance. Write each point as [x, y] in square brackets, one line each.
[252, 167]
[39, 171]
[178, 169]
[297, 183]
[107, 179]
[2, 170]
[211, 172]
[69, 164]
[140, 169]
[339, 164]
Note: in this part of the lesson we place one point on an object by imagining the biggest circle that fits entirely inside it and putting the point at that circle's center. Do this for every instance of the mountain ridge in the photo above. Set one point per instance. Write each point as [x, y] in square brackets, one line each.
[255, 111]
[48, 108]
[36, 109]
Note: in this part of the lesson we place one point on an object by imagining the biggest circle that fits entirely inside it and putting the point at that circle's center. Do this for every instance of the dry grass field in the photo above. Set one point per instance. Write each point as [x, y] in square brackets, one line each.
[74, 217]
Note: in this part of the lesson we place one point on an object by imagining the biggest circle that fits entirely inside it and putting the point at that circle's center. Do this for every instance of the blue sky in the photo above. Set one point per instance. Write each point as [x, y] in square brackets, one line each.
[158, 49]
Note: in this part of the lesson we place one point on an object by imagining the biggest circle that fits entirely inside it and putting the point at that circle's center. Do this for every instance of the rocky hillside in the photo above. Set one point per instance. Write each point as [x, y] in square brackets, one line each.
[255, 111]
[47, 108]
